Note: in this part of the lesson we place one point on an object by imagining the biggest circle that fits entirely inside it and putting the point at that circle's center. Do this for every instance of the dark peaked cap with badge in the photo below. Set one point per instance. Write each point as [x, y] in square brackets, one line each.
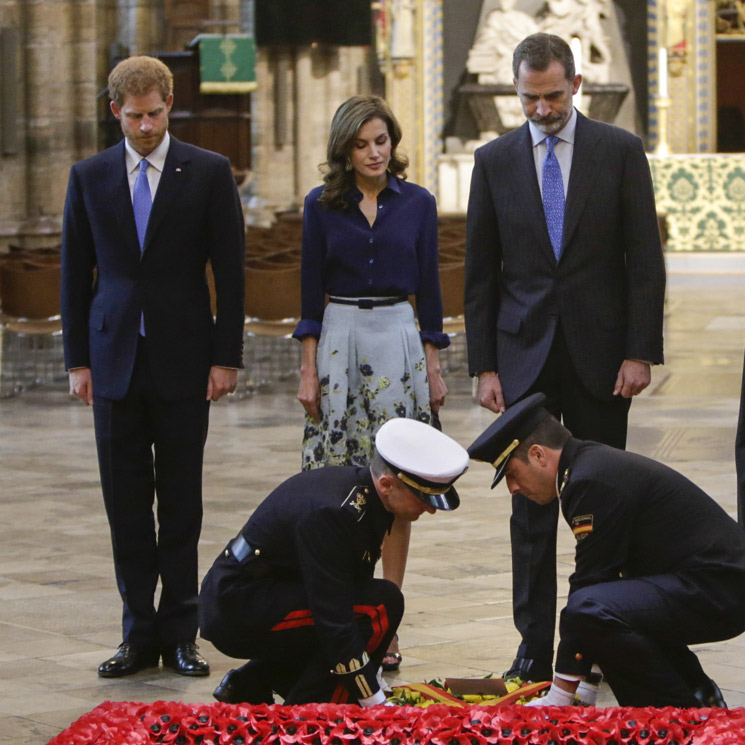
[497, 442]
[424, 458]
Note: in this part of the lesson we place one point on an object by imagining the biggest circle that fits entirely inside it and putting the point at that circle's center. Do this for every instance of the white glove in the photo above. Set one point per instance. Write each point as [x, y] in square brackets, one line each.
[375, 700]
[383, 683]
[555, 697]
[588, 693]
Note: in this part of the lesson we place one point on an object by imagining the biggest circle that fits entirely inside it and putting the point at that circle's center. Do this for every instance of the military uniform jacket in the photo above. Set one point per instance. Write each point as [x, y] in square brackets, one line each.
[324, 527]
[634, 517]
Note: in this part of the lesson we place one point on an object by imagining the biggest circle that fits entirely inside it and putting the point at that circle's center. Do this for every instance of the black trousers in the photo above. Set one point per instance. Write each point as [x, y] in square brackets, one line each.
[638, 632]
[148, 447]
[269, 622]
[533, 527]
[740, 455]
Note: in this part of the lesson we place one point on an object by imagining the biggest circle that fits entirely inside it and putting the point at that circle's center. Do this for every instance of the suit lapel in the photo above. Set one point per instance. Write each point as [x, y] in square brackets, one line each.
[526, 181]
[585, 166]
[115, 192]
[174, 176]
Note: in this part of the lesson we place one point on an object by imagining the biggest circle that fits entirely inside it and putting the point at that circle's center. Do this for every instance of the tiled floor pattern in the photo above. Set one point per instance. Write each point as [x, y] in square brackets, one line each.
[59, 611]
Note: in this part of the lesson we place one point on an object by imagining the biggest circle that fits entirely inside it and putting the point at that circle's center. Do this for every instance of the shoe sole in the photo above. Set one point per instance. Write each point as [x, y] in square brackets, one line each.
[115, 674]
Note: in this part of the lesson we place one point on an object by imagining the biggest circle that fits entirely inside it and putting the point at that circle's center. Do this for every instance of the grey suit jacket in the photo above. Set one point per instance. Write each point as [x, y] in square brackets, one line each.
[608, 287]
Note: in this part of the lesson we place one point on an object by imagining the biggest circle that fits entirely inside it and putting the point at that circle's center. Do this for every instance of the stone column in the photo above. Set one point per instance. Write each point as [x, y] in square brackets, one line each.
[13, 164]
[141, 25]
[51, 114]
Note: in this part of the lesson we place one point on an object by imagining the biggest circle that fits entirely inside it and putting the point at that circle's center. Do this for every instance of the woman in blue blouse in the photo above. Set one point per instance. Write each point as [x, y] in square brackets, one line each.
[369, 242]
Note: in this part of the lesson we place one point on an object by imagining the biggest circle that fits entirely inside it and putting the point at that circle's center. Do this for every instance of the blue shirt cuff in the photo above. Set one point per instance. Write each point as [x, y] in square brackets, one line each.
[307, 327]
[440, 339]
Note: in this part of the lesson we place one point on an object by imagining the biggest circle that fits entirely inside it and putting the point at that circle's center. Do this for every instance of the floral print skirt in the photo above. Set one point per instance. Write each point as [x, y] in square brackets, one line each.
[371, 368]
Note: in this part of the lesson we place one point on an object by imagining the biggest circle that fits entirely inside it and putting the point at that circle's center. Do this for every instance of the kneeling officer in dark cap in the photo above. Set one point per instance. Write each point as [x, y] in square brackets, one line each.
[295, 591]
[659, 564]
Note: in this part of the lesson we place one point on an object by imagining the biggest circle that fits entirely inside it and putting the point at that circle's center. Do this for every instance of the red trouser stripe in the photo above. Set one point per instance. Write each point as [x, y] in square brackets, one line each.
[378, 616]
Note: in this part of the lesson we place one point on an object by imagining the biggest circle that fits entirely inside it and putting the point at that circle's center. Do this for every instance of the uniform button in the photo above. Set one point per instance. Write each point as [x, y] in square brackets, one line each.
[227, 553]
[578, 656]
[380, 206]
[371, 240]
[371, 260]
[257, 552]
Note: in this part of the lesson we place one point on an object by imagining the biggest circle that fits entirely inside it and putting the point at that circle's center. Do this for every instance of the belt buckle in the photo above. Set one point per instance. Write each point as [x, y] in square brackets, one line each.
[365, 304]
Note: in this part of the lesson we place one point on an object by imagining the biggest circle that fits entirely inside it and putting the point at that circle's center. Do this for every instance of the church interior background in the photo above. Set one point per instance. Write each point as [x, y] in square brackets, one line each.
[441, 64]
[259, 81]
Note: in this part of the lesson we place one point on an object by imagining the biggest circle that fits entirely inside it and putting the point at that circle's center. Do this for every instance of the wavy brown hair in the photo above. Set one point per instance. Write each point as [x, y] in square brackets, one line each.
[138, 76]
[345, 126]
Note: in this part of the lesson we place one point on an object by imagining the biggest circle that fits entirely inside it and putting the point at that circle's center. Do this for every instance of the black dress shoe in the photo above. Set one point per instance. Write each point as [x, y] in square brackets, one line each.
[528, 670]
[241, 687]
[129, 659]
[184, 659]
[709, 695]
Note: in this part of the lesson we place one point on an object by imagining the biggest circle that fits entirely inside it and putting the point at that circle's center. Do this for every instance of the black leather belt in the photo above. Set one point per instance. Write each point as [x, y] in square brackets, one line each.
[366, 303]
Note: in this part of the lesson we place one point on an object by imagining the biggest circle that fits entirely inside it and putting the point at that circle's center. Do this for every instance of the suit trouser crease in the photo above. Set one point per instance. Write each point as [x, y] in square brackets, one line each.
[533, 527]
[149, 446]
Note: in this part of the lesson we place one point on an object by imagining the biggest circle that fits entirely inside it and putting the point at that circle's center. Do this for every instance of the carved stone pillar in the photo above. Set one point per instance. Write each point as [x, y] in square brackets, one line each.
[52, 38]
[141, 25]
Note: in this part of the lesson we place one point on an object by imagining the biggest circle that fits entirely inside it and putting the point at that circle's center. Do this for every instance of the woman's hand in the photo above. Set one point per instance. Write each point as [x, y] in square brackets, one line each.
[309, 394]
[437, 388]
[309, 390]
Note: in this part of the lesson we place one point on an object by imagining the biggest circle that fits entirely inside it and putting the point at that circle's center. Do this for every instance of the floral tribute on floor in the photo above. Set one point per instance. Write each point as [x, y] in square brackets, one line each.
[133, 723]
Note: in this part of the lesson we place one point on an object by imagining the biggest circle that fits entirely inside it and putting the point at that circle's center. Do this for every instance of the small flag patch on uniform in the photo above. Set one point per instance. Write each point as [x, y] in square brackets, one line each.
[582, 526]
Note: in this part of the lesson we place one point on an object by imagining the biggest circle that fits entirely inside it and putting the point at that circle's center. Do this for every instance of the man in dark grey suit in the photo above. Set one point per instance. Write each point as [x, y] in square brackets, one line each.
[141, 220]
[564, 294]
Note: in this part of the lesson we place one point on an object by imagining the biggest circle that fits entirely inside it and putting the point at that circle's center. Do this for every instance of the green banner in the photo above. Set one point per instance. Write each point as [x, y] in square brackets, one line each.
[227, 63]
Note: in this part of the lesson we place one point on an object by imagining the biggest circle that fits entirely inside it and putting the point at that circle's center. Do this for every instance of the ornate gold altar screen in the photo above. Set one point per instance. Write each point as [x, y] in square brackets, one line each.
[409, 46]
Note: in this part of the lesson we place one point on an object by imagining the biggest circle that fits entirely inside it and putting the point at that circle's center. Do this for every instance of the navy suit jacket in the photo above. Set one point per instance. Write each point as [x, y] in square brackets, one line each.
[107, 283]
[608, 286]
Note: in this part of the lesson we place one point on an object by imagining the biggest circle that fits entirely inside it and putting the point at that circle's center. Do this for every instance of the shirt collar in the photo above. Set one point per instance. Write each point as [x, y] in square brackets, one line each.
[354, 194]
[565, 134]
[157, 158]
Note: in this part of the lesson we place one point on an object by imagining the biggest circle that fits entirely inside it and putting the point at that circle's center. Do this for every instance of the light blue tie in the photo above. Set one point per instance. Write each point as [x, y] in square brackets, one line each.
[553, 196]
[142, 202]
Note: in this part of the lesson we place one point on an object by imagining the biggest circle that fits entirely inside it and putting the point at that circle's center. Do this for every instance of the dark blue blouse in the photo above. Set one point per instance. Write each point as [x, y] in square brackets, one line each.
[344, 256]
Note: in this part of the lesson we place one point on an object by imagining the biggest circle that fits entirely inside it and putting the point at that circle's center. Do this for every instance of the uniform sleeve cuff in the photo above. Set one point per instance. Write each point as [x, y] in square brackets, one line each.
[375, 700]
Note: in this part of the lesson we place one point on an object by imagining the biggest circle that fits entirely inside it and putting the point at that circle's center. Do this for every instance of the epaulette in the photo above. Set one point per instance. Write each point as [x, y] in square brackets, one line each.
[356, 501]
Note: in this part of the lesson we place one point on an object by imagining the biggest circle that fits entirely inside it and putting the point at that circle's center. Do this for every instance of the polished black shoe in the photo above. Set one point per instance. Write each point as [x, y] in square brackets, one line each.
[239, 687]
[710, 695]
[184, 659]
[128, 660]
[528, 670]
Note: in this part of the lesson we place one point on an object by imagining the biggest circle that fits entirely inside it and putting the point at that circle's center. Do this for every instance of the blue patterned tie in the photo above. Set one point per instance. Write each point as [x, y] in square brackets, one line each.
[142, 202]
[553, 196]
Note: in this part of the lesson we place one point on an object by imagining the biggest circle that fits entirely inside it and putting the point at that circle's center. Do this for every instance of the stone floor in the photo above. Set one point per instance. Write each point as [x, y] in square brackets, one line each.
[59, 611]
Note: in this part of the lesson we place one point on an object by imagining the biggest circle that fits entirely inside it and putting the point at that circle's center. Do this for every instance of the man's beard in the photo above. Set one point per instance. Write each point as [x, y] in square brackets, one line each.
[549, 124]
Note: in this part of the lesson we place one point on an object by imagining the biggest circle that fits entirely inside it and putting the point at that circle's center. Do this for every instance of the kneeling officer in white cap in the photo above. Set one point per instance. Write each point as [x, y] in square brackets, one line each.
[658, 566]
[294, 591]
